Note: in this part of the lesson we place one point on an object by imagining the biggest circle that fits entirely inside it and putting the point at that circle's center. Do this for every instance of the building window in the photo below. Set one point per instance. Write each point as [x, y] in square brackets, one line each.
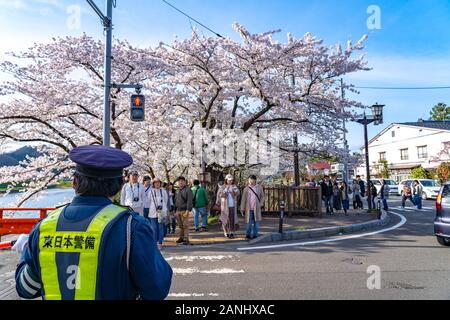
[393, 134]
[382, 156]
[404, 155]
[422, 152]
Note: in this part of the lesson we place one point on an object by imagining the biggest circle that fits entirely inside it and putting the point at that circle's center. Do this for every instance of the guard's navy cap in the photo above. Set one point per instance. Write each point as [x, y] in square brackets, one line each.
[100, 161]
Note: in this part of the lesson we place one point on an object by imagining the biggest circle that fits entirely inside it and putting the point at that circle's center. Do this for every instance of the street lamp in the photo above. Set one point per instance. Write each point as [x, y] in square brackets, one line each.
[377, 111]
[377, 118]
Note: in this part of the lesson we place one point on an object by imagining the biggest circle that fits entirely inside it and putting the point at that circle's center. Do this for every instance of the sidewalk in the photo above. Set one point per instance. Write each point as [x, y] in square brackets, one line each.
[269, 225]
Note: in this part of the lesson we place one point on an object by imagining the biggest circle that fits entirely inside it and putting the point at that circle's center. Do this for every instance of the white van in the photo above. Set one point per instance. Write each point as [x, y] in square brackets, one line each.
[430, 187]
[393, 186]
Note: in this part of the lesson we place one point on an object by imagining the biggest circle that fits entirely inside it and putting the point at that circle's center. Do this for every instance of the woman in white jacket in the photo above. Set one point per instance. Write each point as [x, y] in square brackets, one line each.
[133, 195]
[158, 211]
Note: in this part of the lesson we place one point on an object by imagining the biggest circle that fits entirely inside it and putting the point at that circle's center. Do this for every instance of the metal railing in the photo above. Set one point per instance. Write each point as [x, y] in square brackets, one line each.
[12, 225]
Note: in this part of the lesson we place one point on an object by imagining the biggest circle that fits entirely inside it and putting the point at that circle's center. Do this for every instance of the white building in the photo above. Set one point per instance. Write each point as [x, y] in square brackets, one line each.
[406, 146]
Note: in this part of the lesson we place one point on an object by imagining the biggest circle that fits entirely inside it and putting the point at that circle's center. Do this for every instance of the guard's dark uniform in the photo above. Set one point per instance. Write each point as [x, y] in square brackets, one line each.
[92, 249]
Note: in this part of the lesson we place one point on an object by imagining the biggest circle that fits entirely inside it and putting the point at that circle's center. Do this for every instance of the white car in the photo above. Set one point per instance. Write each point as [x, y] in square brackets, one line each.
[430, 187]
[393, 186]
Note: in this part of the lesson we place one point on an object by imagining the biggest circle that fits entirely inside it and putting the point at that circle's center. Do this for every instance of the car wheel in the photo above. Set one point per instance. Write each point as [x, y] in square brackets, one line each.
[444, 241]
[424, 196]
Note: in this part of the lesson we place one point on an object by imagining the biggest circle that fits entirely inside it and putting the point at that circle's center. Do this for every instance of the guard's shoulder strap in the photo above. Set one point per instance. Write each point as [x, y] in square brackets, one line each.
[130, 214]
[130, 219]
[57, 211]
[125, 208]
[62, 206]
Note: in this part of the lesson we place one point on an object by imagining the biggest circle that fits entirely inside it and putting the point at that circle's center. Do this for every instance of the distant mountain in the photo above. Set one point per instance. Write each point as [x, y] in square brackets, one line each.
[7, 161]
[13, 158]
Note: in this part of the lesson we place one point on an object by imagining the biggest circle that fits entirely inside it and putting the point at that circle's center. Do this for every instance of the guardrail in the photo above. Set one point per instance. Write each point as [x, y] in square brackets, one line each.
[13, 225]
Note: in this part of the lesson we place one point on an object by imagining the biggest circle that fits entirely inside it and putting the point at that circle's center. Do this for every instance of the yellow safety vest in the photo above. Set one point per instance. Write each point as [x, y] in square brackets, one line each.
[87, 244]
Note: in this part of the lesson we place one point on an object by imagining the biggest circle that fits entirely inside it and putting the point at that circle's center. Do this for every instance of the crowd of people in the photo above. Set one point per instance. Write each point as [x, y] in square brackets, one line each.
[337, 195]
[168, 206]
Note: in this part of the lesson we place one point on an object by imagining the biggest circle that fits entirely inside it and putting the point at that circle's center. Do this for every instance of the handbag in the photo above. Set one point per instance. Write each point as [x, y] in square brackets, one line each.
[163, 217]
[215, 209]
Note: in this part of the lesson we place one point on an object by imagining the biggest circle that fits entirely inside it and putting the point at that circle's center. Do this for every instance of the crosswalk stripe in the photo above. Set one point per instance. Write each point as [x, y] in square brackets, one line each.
[201, 258]
[185, 271]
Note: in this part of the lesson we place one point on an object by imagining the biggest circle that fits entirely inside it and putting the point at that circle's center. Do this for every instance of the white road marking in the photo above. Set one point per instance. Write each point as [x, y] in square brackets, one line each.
[413, 209]
[185, 271]
[222, 271]
[187, 295]
[399, 225]
[193, 258]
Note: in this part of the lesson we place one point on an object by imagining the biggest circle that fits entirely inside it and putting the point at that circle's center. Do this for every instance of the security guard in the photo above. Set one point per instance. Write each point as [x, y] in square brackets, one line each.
[92, 249]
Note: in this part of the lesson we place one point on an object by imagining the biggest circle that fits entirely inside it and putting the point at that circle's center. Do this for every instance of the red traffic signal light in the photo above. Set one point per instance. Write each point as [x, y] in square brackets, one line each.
[137, 101]
[137, 108]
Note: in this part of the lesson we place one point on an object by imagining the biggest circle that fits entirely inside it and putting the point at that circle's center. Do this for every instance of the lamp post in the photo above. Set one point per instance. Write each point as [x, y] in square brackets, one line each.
[377, 118]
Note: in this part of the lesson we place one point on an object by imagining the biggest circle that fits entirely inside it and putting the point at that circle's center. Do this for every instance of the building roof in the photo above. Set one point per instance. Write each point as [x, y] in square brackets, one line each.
[322, 165]
[441, 125]
[428, 124]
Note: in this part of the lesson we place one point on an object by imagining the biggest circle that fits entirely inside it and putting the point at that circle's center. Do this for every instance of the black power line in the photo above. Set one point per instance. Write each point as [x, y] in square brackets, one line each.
[404, 88]
[198, 22]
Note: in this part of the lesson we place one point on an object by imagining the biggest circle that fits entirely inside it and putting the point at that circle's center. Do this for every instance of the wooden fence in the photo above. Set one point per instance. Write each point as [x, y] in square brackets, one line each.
[298, 200]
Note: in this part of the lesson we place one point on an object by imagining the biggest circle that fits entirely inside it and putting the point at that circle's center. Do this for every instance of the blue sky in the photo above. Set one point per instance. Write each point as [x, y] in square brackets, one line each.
[412, 48]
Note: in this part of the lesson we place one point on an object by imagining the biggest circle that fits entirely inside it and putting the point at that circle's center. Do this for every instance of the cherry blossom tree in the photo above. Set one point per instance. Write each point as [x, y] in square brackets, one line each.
[256, 83]
[56, 100]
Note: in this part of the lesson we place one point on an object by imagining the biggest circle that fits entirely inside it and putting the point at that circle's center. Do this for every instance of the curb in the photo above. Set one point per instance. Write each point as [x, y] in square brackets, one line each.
[323, 232]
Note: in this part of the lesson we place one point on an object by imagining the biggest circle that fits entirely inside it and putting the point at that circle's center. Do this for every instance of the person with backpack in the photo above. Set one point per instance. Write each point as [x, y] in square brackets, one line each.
[200, 202]
[251, 204]
[407, 194]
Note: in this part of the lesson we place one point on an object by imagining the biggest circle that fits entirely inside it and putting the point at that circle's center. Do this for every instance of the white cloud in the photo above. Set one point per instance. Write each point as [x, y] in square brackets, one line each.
[14, 4]
[401, 71]
[42, 7]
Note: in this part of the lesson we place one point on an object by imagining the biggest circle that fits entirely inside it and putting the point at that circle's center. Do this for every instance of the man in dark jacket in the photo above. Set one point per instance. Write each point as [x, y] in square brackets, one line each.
[362, 187]
[183, 205]
[327, 194]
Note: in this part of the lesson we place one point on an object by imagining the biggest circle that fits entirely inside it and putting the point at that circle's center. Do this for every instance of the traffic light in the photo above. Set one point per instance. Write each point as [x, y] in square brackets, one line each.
[137, 108]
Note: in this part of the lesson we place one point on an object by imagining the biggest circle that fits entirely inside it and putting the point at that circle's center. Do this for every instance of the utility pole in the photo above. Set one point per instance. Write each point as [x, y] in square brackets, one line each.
[107, 24]
[108, 59]
[296, 152]
[345, 175]
[366, 142]
[296, 161]
[108, 85]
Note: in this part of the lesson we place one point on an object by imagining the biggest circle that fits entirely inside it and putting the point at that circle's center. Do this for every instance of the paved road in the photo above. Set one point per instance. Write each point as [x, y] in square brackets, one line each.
[412, 264]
